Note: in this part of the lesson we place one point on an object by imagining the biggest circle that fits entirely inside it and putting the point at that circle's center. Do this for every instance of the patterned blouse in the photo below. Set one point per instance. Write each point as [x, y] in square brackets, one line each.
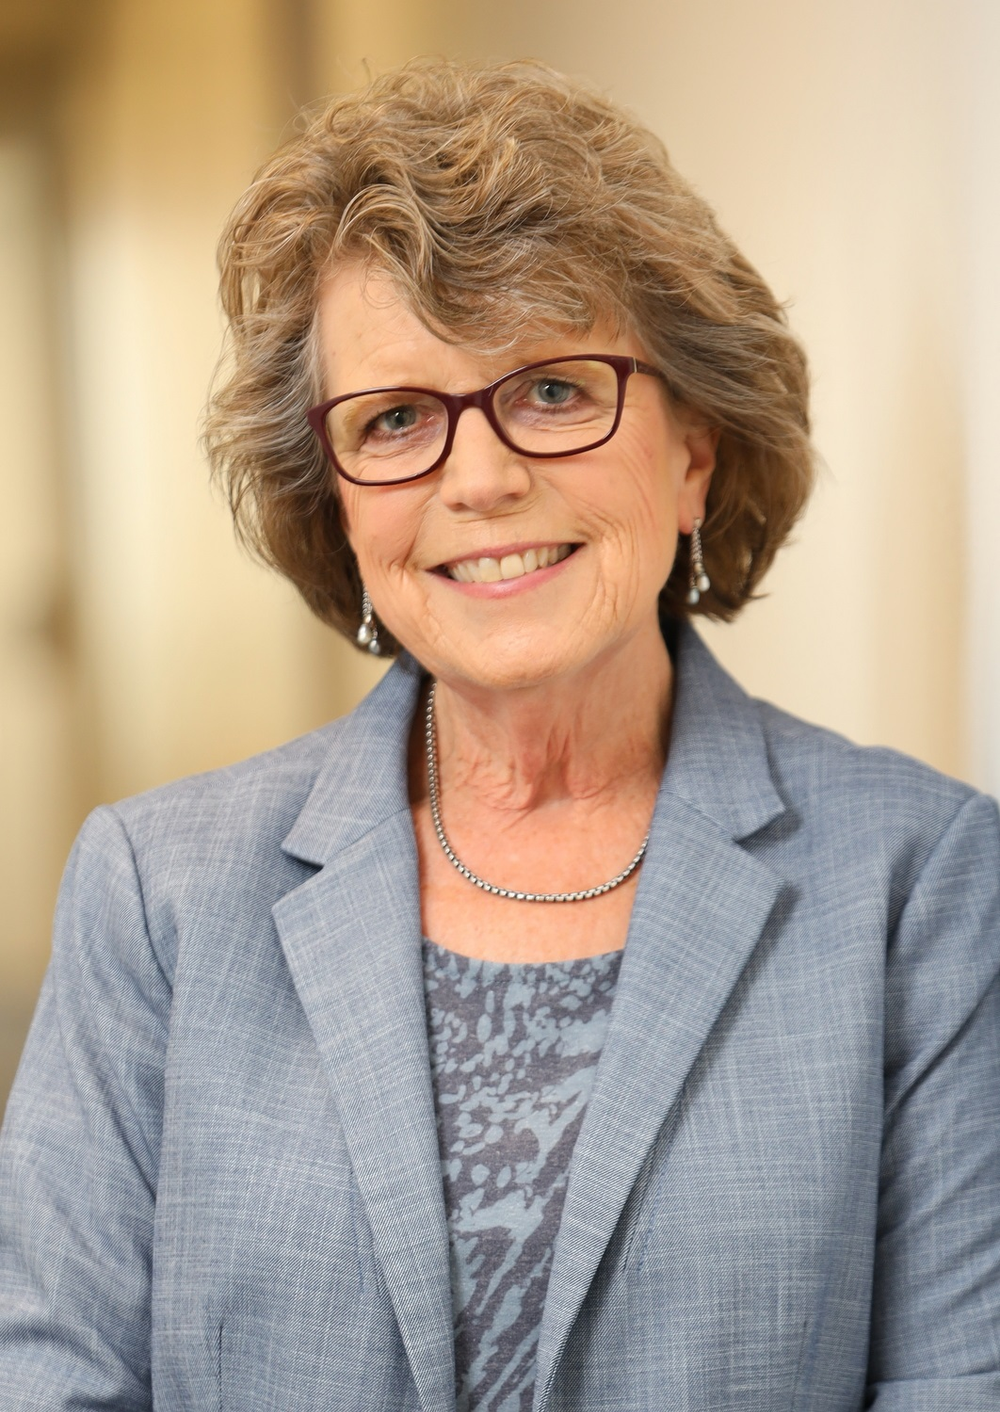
[514, 1048]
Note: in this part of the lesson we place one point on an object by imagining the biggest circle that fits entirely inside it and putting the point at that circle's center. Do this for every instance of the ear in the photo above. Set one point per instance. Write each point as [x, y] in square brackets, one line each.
[702, 445]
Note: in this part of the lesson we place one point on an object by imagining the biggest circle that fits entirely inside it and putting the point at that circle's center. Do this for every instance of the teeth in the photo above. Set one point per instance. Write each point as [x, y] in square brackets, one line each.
[511, 566]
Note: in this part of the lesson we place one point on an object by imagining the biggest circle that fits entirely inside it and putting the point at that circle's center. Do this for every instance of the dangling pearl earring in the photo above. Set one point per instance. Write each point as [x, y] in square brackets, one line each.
[699, 581]
[367, 634]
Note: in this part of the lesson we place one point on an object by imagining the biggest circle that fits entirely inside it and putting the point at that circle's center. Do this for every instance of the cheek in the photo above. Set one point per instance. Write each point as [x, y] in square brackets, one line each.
[635, 501]
[380, 526]
[658, 474]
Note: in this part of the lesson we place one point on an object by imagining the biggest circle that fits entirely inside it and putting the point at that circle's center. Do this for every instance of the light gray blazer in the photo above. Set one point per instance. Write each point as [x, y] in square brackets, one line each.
[220, 1184]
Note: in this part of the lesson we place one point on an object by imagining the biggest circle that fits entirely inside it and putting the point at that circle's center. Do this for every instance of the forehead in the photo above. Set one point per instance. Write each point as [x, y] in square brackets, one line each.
[370, 336]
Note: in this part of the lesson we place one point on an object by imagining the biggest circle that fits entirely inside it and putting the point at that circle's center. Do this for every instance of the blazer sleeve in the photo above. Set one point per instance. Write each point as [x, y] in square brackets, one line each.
[935, 1341]
[80, 1149]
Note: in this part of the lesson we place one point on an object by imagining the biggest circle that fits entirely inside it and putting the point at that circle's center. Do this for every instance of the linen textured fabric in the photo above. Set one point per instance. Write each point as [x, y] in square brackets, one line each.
[220, 1184]
[514, 1051]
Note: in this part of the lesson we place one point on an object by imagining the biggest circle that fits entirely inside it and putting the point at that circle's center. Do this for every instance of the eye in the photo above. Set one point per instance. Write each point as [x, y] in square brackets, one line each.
[553, 392]
[395, 419]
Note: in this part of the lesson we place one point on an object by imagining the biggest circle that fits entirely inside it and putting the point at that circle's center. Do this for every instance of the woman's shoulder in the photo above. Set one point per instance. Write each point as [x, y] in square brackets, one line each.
[225, 833]
[870, 813]
[808, 775]
[827, 764]
[262, 796]
[265, 791]
[226, 822]
[173, 853]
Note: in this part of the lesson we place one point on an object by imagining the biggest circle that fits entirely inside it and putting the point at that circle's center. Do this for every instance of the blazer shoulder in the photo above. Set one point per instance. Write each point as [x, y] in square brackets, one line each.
[826, 761]
[873, 802]
[260, 795]
[203, 847]
[260, 798]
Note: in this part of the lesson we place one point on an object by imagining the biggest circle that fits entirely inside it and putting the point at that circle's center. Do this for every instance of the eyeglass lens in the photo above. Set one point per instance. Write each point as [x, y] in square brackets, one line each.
[557, 409]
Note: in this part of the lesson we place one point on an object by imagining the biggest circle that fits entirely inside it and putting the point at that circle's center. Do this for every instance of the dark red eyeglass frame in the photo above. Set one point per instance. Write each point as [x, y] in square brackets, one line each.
[455, 405]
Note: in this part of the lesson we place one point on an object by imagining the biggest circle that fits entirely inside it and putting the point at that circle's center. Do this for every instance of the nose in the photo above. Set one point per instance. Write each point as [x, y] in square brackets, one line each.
[481, 473]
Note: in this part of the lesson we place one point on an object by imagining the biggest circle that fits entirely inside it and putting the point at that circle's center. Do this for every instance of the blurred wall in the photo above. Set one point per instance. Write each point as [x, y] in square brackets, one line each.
[37, 716]
[977, 167]
[193, 655]
[851, 150]
[138, 642]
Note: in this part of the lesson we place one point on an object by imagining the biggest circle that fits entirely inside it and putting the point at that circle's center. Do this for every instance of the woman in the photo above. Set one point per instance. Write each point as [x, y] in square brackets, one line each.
[327, 1103]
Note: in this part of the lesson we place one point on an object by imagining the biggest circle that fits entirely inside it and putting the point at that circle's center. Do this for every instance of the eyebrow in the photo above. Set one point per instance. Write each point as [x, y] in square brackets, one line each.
[499, 370]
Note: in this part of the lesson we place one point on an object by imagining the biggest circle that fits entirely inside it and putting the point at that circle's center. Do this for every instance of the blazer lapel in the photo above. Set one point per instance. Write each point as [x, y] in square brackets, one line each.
[701, 905]
[351, 936]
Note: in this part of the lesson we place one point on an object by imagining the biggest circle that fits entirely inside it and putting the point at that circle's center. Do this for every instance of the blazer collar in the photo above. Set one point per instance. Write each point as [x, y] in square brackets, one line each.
[717, 761]
[363, 779]
[351, 936]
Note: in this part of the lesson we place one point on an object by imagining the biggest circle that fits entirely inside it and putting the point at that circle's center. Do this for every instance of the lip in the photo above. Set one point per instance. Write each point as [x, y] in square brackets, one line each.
[507, 588]
[497, 551]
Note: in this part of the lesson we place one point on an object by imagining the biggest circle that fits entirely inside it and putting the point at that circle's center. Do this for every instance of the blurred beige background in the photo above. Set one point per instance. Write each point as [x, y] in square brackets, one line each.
[852, 149]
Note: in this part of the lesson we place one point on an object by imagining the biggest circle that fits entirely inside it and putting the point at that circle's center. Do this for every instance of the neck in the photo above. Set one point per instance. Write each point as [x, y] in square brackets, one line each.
[601, 732]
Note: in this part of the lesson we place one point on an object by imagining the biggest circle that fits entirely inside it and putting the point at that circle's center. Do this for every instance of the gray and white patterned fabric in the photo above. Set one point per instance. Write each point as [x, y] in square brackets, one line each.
[220, 1179]
[513, 1052]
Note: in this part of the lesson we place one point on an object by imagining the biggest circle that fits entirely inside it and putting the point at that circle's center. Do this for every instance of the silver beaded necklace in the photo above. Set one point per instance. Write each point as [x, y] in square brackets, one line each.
[430, 739]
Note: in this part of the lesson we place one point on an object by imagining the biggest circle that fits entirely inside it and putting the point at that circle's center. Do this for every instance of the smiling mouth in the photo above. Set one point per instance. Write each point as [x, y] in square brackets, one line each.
[509, 566]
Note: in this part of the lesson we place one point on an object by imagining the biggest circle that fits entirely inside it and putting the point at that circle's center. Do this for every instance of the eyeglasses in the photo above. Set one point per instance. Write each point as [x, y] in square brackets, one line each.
[388, 435]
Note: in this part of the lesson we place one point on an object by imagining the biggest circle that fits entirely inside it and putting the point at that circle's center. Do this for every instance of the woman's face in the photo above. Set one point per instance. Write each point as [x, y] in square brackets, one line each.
[611, 515]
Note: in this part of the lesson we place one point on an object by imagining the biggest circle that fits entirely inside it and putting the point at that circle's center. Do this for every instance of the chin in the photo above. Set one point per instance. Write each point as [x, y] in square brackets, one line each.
[497, 663]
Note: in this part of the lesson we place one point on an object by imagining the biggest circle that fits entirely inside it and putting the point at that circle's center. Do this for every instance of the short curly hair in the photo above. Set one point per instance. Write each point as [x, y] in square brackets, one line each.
[497, 197]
